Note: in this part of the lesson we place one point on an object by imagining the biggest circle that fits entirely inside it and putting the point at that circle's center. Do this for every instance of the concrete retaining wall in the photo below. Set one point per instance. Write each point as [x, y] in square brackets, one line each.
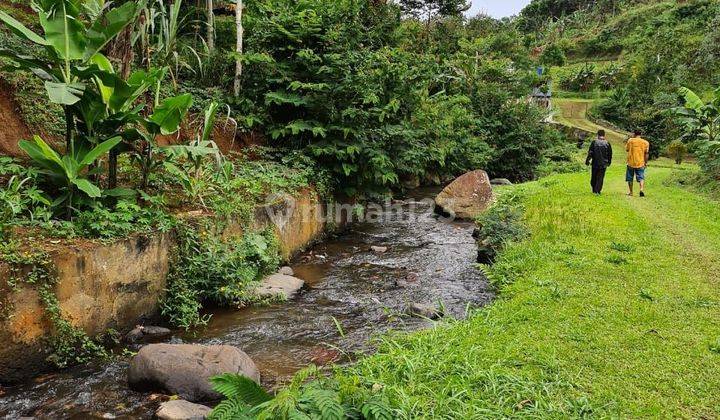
[116, 285]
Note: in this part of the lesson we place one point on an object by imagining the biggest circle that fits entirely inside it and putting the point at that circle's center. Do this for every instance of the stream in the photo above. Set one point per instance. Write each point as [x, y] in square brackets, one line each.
[351, 296]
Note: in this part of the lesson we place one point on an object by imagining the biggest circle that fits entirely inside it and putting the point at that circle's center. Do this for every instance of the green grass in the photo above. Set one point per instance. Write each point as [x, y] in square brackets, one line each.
[611, 308]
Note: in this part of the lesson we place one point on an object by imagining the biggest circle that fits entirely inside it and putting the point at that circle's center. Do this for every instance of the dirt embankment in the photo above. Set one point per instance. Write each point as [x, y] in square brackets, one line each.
[12, 127]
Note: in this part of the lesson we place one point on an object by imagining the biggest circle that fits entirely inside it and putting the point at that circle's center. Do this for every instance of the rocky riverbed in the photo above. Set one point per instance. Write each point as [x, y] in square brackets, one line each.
[395, 271]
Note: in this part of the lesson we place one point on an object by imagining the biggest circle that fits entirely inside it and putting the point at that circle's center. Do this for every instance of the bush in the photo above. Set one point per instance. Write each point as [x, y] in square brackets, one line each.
[677, 150]
[553, 55]
[500, 225]
[124, 219]
[20, 197]
[708, 155]
[207, 269]
[520, 142]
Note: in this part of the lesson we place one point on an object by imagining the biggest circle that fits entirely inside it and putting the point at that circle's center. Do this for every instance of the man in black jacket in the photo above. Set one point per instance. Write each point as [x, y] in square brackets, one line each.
[600, 155]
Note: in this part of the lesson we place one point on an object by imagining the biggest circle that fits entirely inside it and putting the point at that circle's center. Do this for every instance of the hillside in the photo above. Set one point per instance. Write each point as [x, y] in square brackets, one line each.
[635, 55]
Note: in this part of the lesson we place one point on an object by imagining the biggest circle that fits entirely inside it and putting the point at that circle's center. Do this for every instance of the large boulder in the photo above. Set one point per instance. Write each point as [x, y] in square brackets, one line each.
[182, 410]
[279, 285]
[185, 369]
[466, 197]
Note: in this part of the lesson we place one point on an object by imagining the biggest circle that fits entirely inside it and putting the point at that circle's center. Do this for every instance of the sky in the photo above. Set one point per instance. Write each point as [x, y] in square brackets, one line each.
[497, 8]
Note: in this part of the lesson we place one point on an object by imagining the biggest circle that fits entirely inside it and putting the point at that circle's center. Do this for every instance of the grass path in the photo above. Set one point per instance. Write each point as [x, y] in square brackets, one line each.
[573, 113]
[610, 309]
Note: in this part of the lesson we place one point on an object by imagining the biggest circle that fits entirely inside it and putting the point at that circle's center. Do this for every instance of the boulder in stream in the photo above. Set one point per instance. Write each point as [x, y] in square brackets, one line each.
[185, 369]
[147, 334]
[379, 249]
[286, 270]
[467, 197]
[182, 410]
[279, 285]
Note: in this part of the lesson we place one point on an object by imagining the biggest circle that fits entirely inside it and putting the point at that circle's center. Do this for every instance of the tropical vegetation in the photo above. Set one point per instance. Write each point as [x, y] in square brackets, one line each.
[132, 103]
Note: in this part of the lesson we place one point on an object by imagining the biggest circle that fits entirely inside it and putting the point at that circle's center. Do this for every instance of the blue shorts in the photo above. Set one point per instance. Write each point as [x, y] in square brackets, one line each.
[637, 173]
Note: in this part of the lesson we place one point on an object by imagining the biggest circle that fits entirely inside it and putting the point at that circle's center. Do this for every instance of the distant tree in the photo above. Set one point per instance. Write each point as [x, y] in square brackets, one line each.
[553, 55]
[538, 12]
[238, 47]
[210, 25]
[427, 9]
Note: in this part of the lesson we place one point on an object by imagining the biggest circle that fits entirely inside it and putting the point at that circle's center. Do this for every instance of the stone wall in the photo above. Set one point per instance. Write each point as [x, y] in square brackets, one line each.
[116, 285]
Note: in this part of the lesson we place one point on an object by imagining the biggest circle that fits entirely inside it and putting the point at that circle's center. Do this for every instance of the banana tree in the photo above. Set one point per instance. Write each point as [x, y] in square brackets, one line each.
[76, 74]
[69, 172]
[701, 119]
[701, 123]
[75, 33]
[141, 137]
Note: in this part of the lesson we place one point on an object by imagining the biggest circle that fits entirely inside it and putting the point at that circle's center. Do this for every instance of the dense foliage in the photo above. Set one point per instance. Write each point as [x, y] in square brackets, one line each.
[367, 101]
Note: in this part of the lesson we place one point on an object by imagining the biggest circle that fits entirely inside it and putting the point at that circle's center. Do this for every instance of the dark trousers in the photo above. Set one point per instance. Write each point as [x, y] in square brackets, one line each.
[597, 179]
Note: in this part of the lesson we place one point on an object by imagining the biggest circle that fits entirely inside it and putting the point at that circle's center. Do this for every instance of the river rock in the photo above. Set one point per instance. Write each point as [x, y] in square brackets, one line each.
[147, 334]
[466, 197]
[182, 410]
[500, 181]
[185, 369]
[279, 285]
[135, 335]
[425, 310]
[288, 271]
[378, 249]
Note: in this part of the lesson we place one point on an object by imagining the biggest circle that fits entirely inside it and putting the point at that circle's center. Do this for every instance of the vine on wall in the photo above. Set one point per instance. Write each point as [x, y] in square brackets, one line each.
[68, 345]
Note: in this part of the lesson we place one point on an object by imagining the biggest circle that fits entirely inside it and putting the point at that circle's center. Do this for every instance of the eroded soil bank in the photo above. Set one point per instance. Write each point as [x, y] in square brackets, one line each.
[351, 295]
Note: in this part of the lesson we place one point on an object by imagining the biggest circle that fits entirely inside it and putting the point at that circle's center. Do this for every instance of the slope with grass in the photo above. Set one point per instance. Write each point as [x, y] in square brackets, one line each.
[610, 308]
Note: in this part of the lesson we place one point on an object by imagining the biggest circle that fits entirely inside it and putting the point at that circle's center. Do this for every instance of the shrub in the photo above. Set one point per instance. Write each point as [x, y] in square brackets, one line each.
[500, 225]
[207, 269]
[20, 197]
[519, 141]
[677, 150]
[553, 55]
[126, 218]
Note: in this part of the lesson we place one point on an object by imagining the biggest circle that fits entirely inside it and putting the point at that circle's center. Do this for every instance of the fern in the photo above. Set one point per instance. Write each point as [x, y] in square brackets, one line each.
[376, 409]
[324, 403]
[237, 387]
[302, 400]
[231, 409]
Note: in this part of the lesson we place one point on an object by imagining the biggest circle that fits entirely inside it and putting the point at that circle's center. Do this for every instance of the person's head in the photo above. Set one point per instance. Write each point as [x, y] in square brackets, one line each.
[601, 134]
[638, 133]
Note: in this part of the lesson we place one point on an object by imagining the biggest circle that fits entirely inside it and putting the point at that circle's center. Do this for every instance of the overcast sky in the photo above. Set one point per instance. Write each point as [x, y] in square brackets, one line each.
[497, 8]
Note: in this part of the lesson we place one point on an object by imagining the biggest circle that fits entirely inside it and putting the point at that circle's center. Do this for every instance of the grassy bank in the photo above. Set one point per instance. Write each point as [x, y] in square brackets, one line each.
[610, 308]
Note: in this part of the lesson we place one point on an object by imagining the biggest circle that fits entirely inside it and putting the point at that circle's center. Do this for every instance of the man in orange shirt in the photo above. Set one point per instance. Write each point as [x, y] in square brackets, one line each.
[638, 154]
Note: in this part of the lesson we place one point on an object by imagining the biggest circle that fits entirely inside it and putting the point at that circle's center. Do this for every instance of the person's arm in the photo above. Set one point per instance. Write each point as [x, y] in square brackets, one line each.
[609, 154]
[590, 153]
[647, 154]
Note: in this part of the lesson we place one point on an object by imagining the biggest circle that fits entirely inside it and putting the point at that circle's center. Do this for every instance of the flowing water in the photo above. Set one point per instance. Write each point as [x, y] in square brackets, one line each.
[352, 294]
